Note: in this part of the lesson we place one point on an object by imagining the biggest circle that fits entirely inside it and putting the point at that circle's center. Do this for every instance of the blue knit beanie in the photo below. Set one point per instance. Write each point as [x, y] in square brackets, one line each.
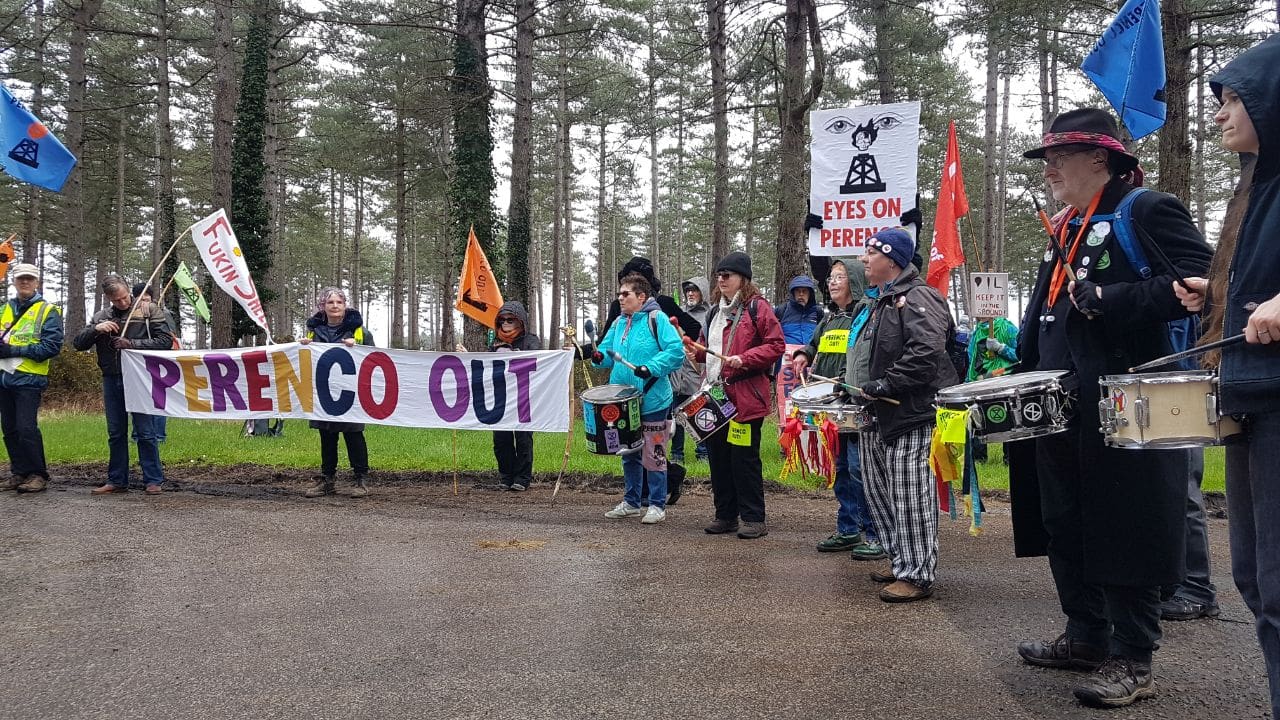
[895, 242]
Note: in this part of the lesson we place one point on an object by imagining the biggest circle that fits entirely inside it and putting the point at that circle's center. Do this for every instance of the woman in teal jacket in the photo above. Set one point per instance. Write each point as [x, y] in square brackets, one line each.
[643, 337]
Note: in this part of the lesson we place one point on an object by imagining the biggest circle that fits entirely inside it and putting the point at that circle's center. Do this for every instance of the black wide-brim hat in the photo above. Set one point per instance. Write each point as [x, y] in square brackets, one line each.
[1086, 126]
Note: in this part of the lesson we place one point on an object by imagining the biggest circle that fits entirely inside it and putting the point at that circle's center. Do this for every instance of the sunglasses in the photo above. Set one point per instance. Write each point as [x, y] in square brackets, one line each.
[508, 321]
[623, 293]
[724, 275]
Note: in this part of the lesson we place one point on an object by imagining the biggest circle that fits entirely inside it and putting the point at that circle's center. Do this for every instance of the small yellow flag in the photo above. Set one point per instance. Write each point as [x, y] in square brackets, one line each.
[479, 297]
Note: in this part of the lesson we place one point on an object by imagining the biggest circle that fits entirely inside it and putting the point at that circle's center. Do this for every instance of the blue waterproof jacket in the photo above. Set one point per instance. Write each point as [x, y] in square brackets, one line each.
[799, 321]
[632, 338]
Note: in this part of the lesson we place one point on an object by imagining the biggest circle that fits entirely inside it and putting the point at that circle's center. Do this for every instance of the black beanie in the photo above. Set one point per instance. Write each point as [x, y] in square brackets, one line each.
[736, 262]
[640, 266]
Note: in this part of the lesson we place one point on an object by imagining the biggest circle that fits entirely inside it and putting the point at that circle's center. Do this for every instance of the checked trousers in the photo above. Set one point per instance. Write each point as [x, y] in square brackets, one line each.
[904, 501]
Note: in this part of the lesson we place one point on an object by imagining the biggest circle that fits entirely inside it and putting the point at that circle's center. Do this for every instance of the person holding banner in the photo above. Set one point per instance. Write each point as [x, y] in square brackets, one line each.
[144, 294]
[123, 326]
[993, 348]
[743, 341]
[827, 355]
[1109, 519]
[513, 449]
[905, 346]
[30, 336]
[642, 349]
[334, 322]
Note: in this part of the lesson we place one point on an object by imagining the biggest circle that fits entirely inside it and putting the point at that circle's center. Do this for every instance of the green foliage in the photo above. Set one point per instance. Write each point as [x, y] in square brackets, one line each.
[74, 379]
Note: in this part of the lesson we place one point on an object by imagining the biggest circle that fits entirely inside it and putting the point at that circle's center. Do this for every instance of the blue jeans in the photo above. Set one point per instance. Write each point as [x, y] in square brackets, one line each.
[161, 422]
[118, 437]
[853, 515]
[1253, 504]
[634, 474]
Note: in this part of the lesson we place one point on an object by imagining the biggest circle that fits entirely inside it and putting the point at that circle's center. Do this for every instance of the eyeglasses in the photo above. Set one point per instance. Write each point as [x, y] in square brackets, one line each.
[724, 275]
[837, 278]
[1056, 163]
[508, 321]
[623, 293]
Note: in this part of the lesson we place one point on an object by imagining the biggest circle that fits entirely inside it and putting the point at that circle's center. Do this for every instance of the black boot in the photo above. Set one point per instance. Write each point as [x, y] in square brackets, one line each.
[360, 486]
[1120, 681]
[323, 486]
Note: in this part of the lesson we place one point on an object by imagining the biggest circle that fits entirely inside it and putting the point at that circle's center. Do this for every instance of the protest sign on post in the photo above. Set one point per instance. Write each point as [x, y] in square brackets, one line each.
[863, 178]
[222, 256]
[988, 295]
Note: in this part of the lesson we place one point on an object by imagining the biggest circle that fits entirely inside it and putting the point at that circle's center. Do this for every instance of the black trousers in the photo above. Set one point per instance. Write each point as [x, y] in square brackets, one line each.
[19, 408]
[513, 450]
[357, 452]
[1123, 619]
[737, 479]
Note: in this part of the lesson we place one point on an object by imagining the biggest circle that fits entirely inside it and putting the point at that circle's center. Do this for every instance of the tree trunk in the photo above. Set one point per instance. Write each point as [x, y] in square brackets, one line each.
[996, 262]
[655, 249]
[885, 50]
[718, 43]
[1175, 148]
[793, 114]
[752, 172]
[1200, 137]
[990, 147]
[603, 267]
[164, 228]
[224, 103]
[559, 204]
[397, 338]
[118, 259]
[518, 213]
[77, 83]
[31, 219]
[414, 294]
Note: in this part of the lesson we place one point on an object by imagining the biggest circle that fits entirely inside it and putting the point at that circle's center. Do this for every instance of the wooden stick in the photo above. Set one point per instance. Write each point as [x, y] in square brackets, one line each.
[858, 390]
[1234, 339]
[455, 461]
[707, 350]
[133, 310]
[568, 445]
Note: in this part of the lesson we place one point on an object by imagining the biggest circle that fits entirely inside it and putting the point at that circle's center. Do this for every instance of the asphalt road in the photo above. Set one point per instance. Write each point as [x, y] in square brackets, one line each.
[252, 602]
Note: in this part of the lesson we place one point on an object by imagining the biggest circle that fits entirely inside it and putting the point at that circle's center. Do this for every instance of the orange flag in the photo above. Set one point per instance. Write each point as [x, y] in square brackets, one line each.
[6, 255]
[478, 295]
[952, 205]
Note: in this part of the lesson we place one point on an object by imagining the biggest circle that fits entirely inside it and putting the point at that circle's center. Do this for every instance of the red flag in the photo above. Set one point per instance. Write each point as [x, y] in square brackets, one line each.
[953, 204]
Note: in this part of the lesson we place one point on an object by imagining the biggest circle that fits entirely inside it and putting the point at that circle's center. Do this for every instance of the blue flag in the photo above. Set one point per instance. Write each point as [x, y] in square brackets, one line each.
[1127, 65]
[28, 151]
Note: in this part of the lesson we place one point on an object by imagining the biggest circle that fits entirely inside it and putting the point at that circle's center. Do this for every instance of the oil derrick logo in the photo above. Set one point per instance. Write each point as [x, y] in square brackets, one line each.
[27, 151]
[863, 175]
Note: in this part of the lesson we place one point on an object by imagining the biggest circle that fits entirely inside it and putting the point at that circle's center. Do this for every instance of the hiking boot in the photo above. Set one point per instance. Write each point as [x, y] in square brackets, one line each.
[654, 515]
[904, 591]
[517, 487]
[869, 551]
[12, 483]
[883, 576]
[1062, 653]
[1179, 608]
[753, 530]
[1120, 681]
[34, 484]
[623, 510]
[154, 489]
[840, 541]
[360, 487]
[720, 527]
[323, 486]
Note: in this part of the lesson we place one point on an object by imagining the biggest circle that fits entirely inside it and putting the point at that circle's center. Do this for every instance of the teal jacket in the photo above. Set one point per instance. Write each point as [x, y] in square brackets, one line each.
[631, 336]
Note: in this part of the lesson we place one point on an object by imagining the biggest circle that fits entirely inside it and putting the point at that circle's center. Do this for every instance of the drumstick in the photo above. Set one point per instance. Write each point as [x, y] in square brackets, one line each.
[856, 389]
[706, 349]
[613, 354]
[1188, 353]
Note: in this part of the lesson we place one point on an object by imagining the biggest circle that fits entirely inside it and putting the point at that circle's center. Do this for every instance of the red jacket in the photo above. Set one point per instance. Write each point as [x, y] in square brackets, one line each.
[760, 344]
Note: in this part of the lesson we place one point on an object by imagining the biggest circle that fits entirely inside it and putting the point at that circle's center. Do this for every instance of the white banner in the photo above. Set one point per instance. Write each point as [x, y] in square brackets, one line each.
[360, 384]
[863, 162]
[988, 295]
[221, 254]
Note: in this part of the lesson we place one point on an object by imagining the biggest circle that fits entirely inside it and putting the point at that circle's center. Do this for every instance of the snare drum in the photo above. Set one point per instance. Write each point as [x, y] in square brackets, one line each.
[819, 401]
[1163, 411]
[1012, 407]
[706, 412]
[611, 419]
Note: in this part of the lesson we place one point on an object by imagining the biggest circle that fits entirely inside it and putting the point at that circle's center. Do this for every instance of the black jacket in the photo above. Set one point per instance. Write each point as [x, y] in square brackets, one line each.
[1250, 374]
[147, 331]
[908, 327]
[319, 330]
[1132, 502]
[526, 340]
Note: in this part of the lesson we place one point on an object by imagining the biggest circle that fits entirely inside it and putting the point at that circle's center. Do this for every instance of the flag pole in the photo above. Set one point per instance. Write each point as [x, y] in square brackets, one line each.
[133, 310]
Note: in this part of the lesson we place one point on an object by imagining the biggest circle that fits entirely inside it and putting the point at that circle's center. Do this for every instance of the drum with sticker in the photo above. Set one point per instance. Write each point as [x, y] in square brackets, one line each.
[1163, 411]
[1013, 407]
[611, 419]
[819, 401]
[706, 412]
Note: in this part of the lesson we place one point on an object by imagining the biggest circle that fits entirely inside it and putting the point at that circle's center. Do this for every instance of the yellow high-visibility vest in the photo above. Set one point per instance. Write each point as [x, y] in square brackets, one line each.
[27, 332]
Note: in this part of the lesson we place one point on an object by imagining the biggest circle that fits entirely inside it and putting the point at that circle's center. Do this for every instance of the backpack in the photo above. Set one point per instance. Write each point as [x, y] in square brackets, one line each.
[772, 371]
[1183, 333]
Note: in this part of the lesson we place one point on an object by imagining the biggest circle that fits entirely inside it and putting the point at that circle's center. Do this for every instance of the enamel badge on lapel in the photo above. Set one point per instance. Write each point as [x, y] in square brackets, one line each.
[1098, 234]
[902, 302]
[1104, 262]
[1082, 273]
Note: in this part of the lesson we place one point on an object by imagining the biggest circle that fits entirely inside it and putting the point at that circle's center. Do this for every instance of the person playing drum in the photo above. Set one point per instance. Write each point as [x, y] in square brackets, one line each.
[1110, 520]
[642, 348]
[743, 341]
[1242, 294]
[826, 355]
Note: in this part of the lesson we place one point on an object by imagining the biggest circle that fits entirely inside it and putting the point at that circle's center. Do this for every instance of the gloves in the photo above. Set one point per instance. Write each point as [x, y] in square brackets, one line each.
[1087, 296]
[6, 350]
[812, 222]
[876, 388]
[643, 373]
[597, 357]
[913, 217]
[995, 345]
[122, 343]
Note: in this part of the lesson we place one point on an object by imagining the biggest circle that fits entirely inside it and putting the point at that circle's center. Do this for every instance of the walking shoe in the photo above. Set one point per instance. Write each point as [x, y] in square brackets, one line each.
[883, 576]
[323, 486]
[752, 530]
[12, 483]
[154, 489]
[869, 551]
[1120, 681]
[359, 487]
[1181, 608]
[108, 489]
[654, 515]
[840, 541]
[1062, 652]
[517, 487]
[904, 591]
[720, 527]
[622, 510]
[34, 484]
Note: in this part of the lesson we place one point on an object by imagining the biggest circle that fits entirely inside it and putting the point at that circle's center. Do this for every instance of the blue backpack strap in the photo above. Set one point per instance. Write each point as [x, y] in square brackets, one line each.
[1125, 235]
